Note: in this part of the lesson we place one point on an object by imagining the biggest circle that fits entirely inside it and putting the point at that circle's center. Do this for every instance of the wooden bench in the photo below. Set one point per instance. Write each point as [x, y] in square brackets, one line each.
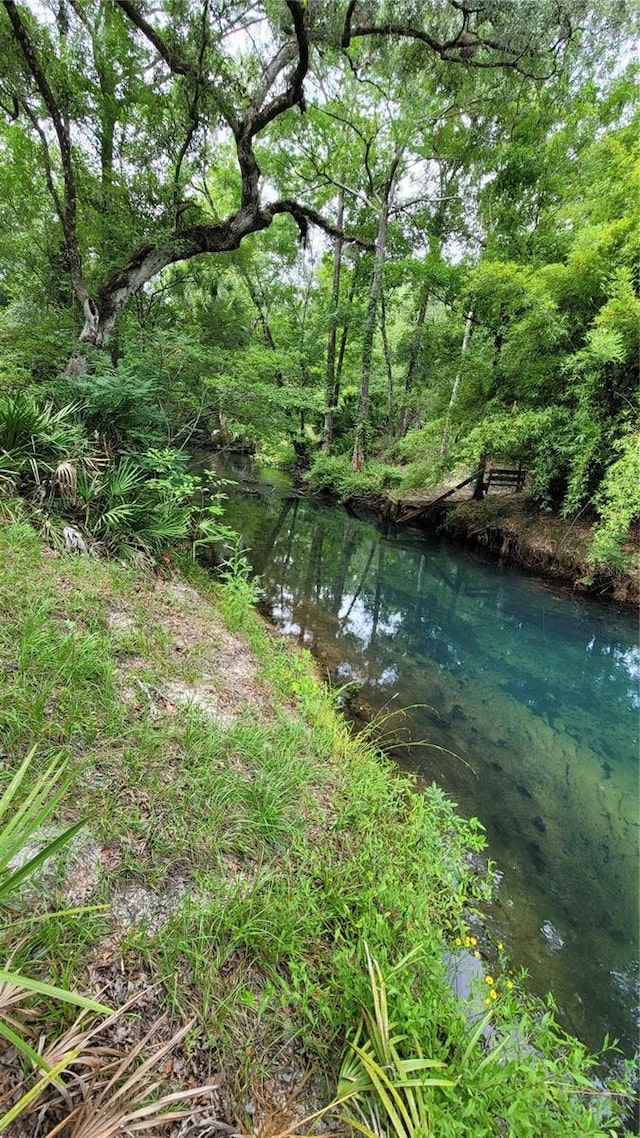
[503, 476]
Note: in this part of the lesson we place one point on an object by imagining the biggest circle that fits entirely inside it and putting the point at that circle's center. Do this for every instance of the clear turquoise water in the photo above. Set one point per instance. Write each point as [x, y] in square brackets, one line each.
[519, 699]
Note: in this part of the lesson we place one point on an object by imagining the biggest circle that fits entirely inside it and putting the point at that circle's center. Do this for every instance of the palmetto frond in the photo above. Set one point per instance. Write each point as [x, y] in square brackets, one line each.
[65, 477]
[116, 1097]
[123, 478]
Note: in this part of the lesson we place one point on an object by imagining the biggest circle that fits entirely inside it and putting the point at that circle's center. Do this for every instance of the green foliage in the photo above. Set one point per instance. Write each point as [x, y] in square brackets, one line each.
[26, 820]
[384, 1076]
[334, 474]
[618, 503]
[125, 510]
[151, 503]
[240, 591]
[420, 450]
[138, 504]
[499, 1070]
[23, 850]
[297, 841]
[36, 440]
[518, 212]
[121, 405]
[542, 439]
[36, 337]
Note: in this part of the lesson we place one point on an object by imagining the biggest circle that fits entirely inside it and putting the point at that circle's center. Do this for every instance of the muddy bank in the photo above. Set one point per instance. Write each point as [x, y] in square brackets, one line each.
[511, 529]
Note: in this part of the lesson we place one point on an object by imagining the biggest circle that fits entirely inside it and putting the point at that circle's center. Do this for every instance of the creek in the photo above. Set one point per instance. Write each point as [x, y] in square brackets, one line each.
[516, 697]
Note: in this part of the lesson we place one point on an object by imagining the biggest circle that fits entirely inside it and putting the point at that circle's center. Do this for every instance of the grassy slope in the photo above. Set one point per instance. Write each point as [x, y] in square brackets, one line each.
[243, 845]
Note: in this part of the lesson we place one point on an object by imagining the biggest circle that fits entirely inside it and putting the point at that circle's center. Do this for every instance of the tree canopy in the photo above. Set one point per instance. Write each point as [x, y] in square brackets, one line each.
[374, 227]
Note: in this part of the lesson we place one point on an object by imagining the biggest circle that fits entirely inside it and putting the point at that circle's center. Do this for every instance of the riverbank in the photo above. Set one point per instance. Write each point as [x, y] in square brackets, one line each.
[241, 849]
[504, 523]
[547, 545]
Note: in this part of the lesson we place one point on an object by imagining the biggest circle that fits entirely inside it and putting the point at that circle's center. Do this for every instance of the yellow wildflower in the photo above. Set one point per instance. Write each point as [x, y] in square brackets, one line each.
[489, 980]
[476, 954]
[509, 984]
[487, 1001]
[493, 994]
[457, 940]
[472, 940]
[500, 946]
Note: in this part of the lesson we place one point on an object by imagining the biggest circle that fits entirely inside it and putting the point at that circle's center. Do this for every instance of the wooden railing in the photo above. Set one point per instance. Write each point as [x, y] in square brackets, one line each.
[502, 476]
[425, 507]
[483, 479]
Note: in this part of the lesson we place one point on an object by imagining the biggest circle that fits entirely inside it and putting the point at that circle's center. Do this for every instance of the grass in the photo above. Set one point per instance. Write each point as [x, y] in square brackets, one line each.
[245, 858]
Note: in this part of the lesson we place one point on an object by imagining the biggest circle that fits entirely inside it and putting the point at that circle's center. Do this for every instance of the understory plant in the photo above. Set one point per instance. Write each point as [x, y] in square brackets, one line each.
[384, 1075]
[335, 474]
[240, 591]
[41, 447]
[505, 1072]
[296, 844]
[81, 493]
[22, 853]
[92, 1089]
[618, 502]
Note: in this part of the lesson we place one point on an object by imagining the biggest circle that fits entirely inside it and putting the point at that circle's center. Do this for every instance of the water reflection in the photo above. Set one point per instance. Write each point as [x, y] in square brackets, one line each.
[522, 702]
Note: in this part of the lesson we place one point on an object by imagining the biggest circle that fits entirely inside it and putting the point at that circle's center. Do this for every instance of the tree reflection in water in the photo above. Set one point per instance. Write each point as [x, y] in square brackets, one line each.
[520, 702]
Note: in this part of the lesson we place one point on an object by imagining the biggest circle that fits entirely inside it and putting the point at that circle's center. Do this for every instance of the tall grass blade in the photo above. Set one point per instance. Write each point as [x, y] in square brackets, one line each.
[52, 992]
[22, 1047]
[16, 879]
[35, 1091]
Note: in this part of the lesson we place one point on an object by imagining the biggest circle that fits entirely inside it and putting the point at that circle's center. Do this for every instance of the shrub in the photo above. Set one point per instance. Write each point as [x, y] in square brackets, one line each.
[334, 473]
[121, 405]
[499, 1073]
[618, 502]
[36, 440]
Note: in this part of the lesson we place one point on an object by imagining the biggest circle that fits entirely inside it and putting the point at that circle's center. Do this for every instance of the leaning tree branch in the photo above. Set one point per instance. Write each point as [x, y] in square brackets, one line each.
[226, 235]
[304, 216]
[396, 30]
[461, 49]
[193, 241]
[178, 63]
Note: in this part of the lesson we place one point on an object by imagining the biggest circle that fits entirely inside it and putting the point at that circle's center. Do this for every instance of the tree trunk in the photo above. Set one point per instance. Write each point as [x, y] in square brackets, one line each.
[357, 459]
[416, 345]
[444, 446]
[150, 259]
[387, 362]
[330, 399]
[344, 336]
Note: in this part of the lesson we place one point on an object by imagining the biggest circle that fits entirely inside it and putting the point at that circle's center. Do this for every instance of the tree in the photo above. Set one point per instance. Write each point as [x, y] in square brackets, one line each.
[387, 195]
[135, 210]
